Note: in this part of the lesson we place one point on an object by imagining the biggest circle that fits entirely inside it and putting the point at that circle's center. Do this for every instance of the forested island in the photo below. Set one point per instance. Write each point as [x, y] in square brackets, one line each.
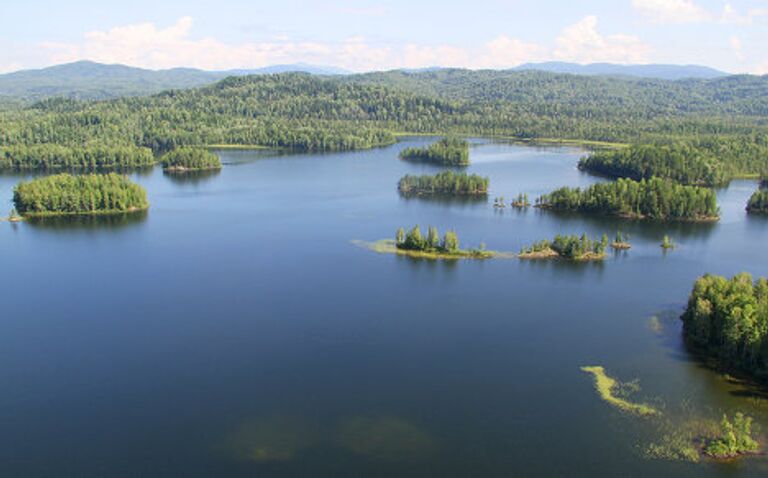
[758, 202]
[190, 159]
[56, 157]
[449, 151]
[67, 194]
[573, 247]
[704, 162]
[444, 183]
[654, 198]
[727, 320]
[415, 244]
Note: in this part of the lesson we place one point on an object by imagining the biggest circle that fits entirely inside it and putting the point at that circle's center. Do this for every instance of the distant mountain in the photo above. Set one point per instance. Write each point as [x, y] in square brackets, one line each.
[662, 72]
[291, 68]
[90, 80]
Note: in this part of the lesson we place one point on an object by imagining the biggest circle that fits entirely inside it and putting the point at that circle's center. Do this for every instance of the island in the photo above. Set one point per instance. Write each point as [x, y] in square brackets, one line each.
[449, 151]
[758, 202]
[521, 201]
[189, 159]
[67, 194]
[444, 183]
[621, 241]
[655, 198]
[414, 244]
[667, 243]
[574, 248]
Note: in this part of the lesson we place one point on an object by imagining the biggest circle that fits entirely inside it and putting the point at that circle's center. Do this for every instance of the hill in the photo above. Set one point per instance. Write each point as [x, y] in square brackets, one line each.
[661, 72]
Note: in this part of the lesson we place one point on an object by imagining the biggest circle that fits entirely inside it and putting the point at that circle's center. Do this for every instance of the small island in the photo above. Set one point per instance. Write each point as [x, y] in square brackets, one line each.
[444, 183]
[667, 243]
[189, 159]
[449, 151]
[573, 248]
[521, 201]
[758, 202]
[621, 241]
[67, 194]
[414, 244]
[658, 199]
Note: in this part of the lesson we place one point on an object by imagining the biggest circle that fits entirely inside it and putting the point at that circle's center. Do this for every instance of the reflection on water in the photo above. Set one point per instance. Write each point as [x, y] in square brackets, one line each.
[96, 221]
[191, 177]
[447, 199]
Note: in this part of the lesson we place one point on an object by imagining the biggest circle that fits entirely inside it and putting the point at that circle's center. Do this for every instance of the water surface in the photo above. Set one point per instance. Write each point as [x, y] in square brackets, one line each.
[235, 330]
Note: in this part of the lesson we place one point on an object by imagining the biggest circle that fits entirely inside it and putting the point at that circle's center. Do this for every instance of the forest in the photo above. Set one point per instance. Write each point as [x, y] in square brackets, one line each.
[432, 245]
[298, 111]
[571, 247]
[56, 157]
[654, 198]
[758, 202]
[190, 159]
[448, 151]
[67, 194]
[446, 182]
[727, 319]
[711, 162]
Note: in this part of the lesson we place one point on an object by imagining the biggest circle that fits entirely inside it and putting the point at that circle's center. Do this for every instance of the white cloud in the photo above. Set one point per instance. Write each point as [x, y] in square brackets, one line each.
[738, 48]
[149, 46]
[672, 11]
[582, 43]
[731, 16]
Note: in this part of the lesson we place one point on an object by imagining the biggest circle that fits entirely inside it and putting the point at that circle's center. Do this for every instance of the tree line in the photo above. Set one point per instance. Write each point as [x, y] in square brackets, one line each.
[446, 182]
[652, 199]
[53, 157]
[571, 247]
[63, 194]
[727, 319]
[706, 162]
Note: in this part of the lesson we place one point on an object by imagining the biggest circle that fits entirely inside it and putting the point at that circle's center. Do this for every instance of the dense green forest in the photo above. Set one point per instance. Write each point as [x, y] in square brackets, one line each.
[53, 157]
[446, 182]
[65, 194]
[709, 162]
[567, 247]
[758, 202]
[728, 321]
[361, 111]
[448, 151]
[646, 199]
[190, 159]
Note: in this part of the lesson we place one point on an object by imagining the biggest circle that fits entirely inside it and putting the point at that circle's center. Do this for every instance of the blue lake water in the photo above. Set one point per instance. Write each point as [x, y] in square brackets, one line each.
[236, 330]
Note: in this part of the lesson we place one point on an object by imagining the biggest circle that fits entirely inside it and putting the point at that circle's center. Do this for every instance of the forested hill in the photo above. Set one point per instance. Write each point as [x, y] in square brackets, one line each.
[353, 112]
[544, 91]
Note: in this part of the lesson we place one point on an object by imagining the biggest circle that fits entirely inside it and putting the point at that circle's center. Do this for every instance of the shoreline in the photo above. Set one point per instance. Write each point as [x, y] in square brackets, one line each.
[108, 212]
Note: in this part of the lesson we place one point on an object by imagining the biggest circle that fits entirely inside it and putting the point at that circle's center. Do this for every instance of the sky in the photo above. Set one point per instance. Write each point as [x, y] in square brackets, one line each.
[370, 35]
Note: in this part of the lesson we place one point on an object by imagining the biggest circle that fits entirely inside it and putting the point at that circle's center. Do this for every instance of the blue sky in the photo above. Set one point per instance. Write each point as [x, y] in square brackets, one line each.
[370, 35]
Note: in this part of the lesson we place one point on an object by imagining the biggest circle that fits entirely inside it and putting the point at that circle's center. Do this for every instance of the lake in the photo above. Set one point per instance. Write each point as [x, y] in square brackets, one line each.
[236, 330]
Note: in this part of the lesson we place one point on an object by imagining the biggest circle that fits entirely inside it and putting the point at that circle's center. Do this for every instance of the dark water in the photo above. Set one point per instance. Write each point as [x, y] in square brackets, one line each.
[236, 331]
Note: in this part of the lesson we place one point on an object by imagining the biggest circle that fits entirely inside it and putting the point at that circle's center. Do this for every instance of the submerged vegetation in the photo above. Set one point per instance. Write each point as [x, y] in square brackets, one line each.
[190, 159]
[66, 194]
[576, 248]
[607, 387]
[446, 182]
[727, 320]
[646, 199]
[758, 202]
[449, 151]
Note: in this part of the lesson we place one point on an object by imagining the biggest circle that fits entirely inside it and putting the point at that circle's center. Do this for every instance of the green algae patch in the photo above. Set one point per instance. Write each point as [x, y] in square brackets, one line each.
[388, 246]
[270, 440]
[607, 386]
[385, 438]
